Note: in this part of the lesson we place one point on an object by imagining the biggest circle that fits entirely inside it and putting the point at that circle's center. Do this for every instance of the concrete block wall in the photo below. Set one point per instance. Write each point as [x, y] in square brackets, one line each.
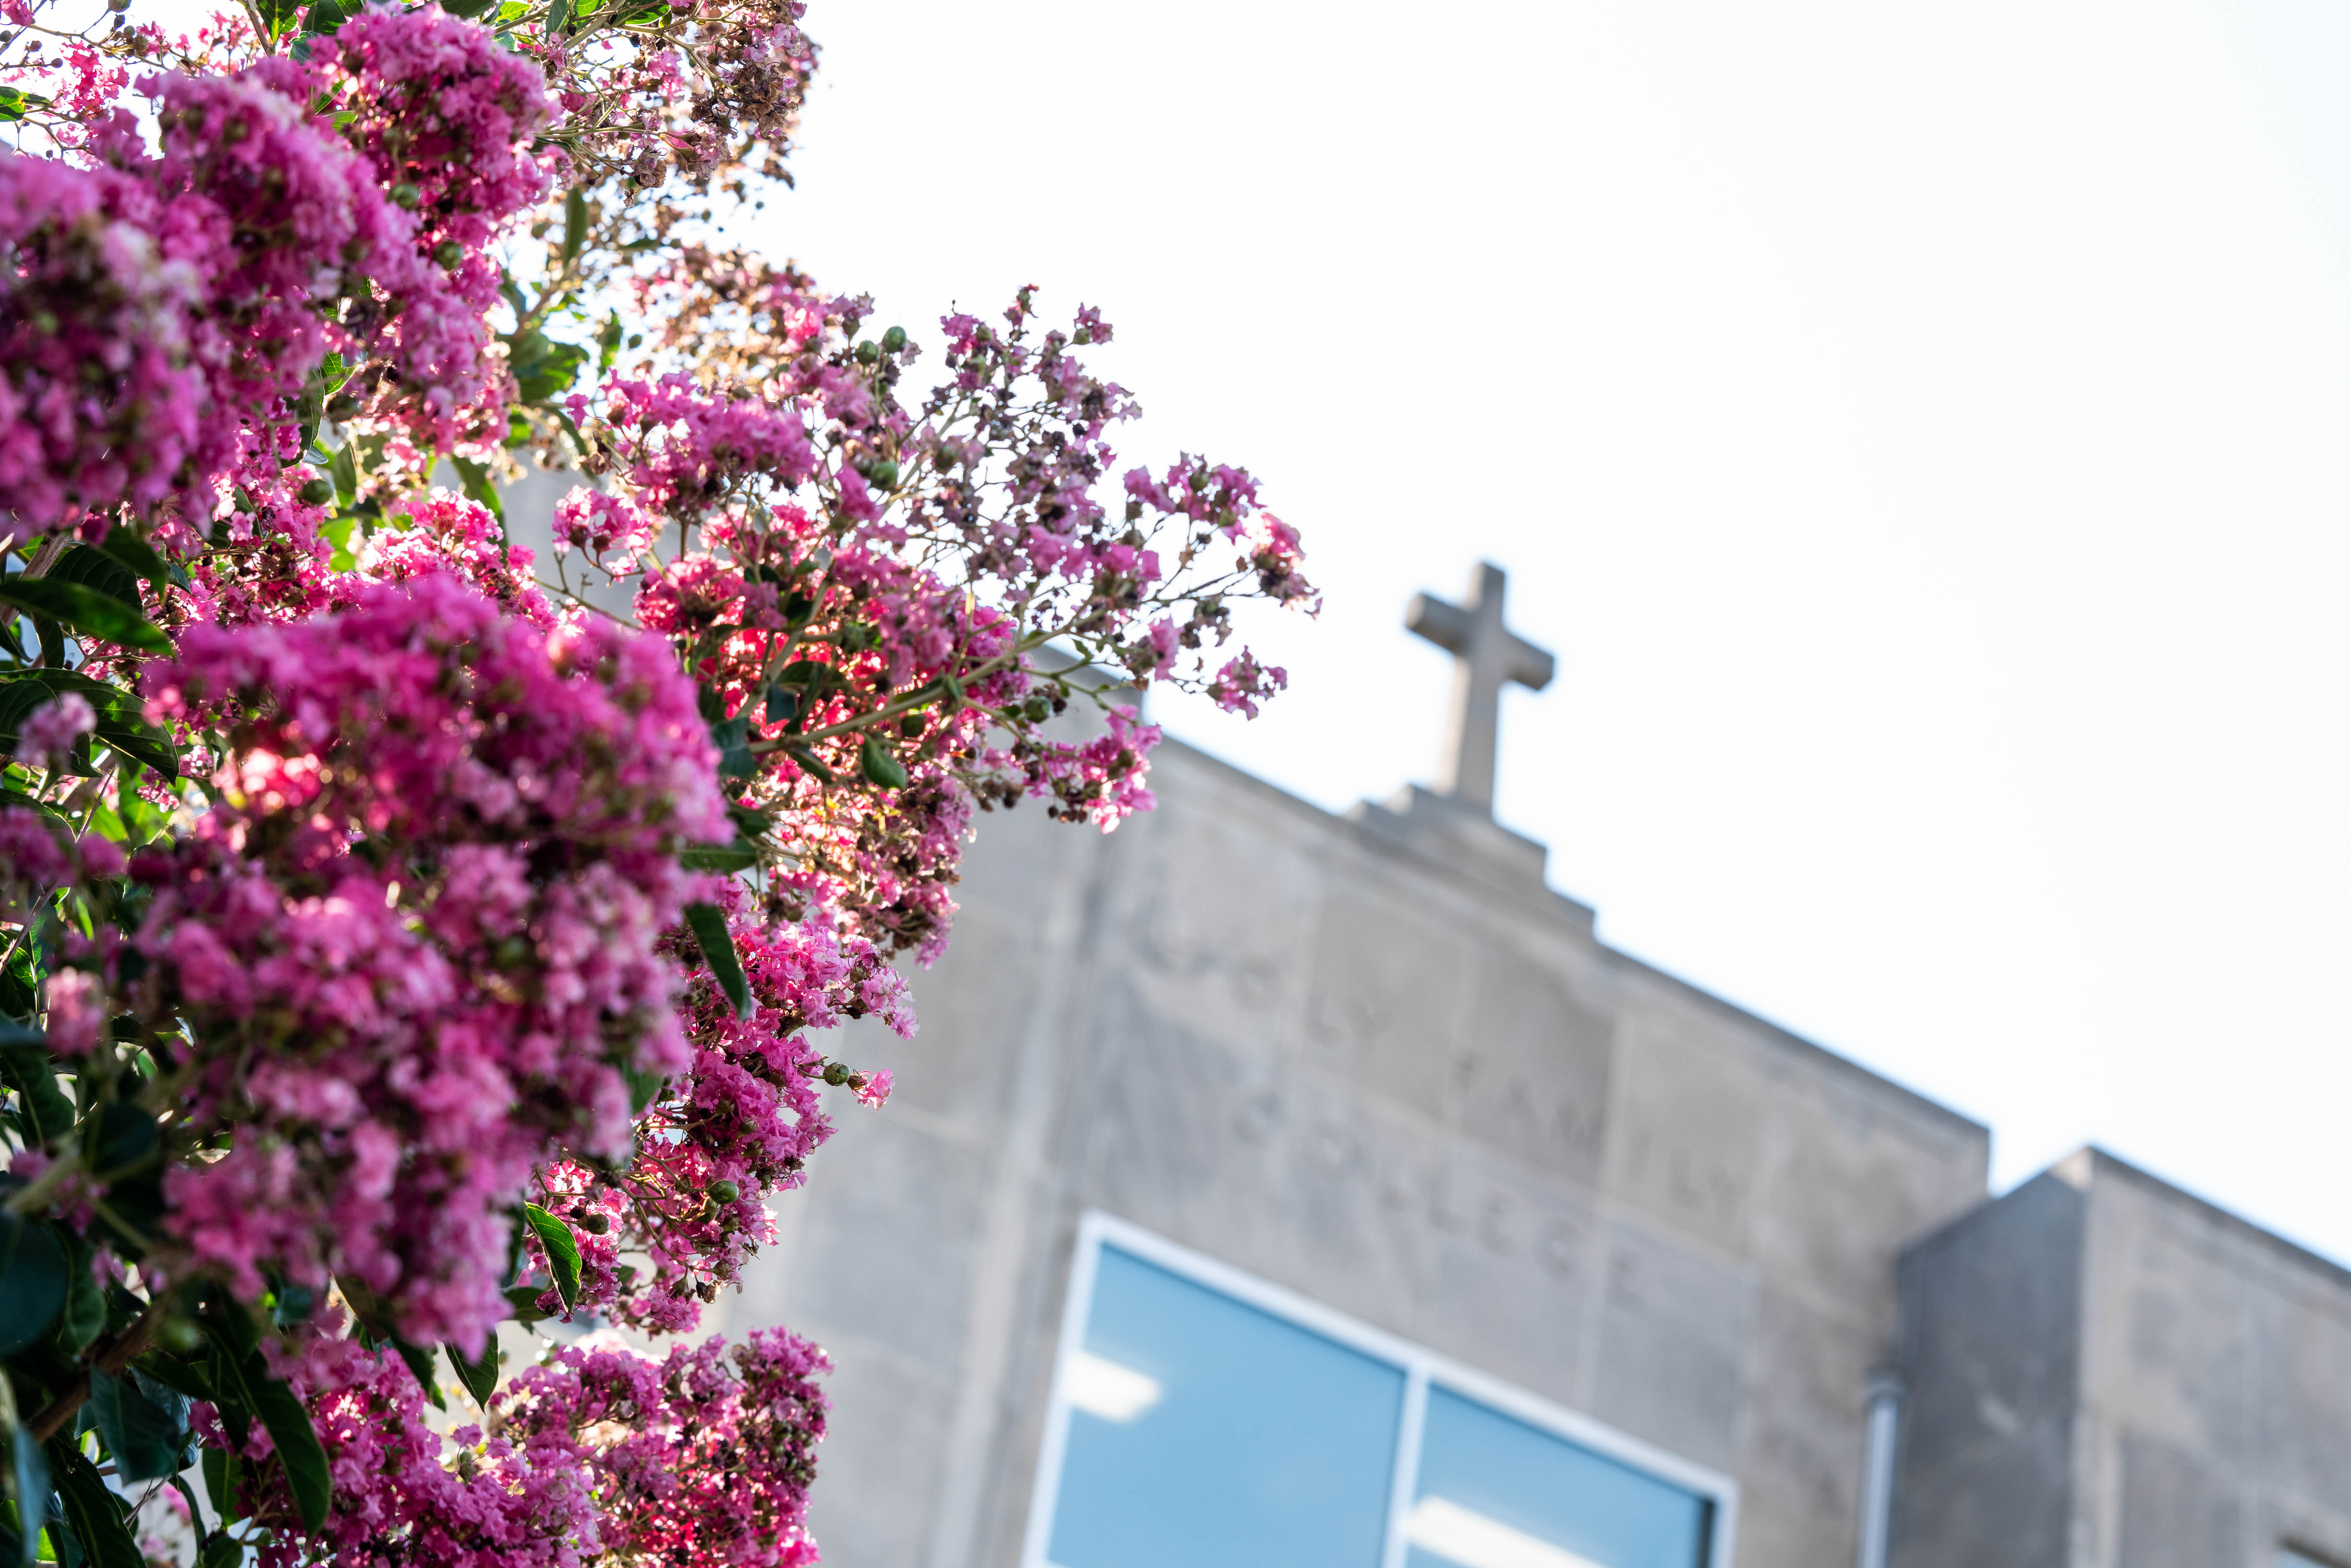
[2106, 1372]
[1381, 1079]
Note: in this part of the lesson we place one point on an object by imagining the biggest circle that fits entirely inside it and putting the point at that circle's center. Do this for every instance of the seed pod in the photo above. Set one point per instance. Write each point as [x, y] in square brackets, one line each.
[835, 1074]
[595, 1222]
[893, 341]
[317, 493]
[406, 196]
[724, 1192]
[868, 352]
[448, 254]
[883, 476]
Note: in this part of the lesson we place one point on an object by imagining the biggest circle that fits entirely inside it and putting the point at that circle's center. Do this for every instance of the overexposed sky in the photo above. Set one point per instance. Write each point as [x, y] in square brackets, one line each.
[1920, 431]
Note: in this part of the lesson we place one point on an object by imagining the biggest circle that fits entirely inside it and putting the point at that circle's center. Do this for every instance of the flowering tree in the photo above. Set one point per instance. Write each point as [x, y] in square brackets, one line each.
[396, 944]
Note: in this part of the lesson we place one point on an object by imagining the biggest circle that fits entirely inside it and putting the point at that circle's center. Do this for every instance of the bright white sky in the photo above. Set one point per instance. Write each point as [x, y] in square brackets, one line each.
[1919, 430]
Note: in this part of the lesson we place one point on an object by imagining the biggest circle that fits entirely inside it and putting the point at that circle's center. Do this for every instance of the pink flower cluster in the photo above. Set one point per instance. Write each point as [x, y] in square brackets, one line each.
[1101, 781]
[690, 448]
[446, 533]
[1243, 683]
[700, 1460]
[101, 398]
[36, 855]
[416, 941]
[158, 313]
[612, 532]
[736, 1128]
[49, 733]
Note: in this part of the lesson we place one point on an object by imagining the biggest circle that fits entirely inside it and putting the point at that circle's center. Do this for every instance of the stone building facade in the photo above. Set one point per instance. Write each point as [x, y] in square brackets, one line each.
[1373, 1065]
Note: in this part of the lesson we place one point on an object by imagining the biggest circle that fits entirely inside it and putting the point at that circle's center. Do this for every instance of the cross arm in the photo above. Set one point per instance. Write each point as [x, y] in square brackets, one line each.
[1530, 666]
[1448, 626]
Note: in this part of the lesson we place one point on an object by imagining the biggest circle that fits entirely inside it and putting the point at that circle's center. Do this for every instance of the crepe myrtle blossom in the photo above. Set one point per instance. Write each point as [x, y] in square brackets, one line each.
[703, 1456]
[50, 734]
[399, 948]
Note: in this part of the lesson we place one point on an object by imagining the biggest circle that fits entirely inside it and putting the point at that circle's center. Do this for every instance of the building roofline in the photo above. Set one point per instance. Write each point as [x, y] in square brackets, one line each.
[1573, 916]
[2103, 1162]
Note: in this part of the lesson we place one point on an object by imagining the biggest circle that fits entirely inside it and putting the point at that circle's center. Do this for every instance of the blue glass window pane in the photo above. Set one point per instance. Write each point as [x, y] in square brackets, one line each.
[1494, 1492]
[1206, 1434]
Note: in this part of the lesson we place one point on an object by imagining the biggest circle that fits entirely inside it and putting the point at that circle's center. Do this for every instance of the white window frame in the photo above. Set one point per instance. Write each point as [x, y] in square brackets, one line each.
[1420, 1365]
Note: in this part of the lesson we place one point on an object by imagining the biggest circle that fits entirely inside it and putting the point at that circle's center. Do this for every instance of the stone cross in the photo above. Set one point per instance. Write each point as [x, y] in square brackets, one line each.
[1490, 654]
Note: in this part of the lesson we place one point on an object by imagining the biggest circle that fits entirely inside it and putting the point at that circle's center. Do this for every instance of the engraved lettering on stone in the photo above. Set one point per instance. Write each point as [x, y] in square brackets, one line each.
[1555, 1249]
[1625, 1281]
[1441, 1210]
[1258, 1117]
[1331, 1146]
[1357, 1018]
[1494, 1224]
[1254, 979]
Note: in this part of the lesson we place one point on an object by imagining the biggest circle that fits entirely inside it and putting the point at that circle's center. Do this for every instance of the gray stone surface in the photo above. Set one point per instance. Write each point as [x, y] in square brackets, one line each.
[1404, 1081]
[2106, 1372]
[1380, 1065]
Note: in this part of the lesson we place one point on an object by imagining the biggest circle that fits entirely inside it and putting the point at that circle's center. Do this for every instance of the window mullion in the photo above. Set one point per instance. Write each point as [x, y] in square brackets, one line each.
[1408, 1460]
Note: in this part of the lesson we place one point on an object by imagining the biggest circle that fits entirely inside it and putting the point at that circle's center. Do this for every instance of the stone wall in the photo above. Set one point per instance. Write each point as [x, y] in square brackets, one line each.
[1402, 1084]
[2108, 1373]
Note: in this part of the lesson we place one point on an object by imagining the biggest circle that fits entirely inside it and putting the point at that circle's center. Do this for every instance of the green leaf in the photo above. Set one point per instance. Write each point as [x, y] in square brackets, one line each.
[32, 1281]
[420, 1363]
[343, 468]
[558, 18]
[879, 766]
[124, 1141]
[94, 1514]
[14, 102]
[815, 677]
[338, 532]
[575, 222]
[276, 15]
[145, 1425]
[180, 1376]
[523, 1302]
[644, 1087]
[708, 924]
[221, 1550]
[95, 568]
[290, 1432]
[28, 1480]
[563, 1250]
[220, 1468]
[465, 7]
[480, 1378]
[85, 610]
[732, 736]
[85, 1309]
[476, 479]
[551, 372]
[49, 1113]
[608, 343]
[137, 554]
[737, 856]
[325, 16]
